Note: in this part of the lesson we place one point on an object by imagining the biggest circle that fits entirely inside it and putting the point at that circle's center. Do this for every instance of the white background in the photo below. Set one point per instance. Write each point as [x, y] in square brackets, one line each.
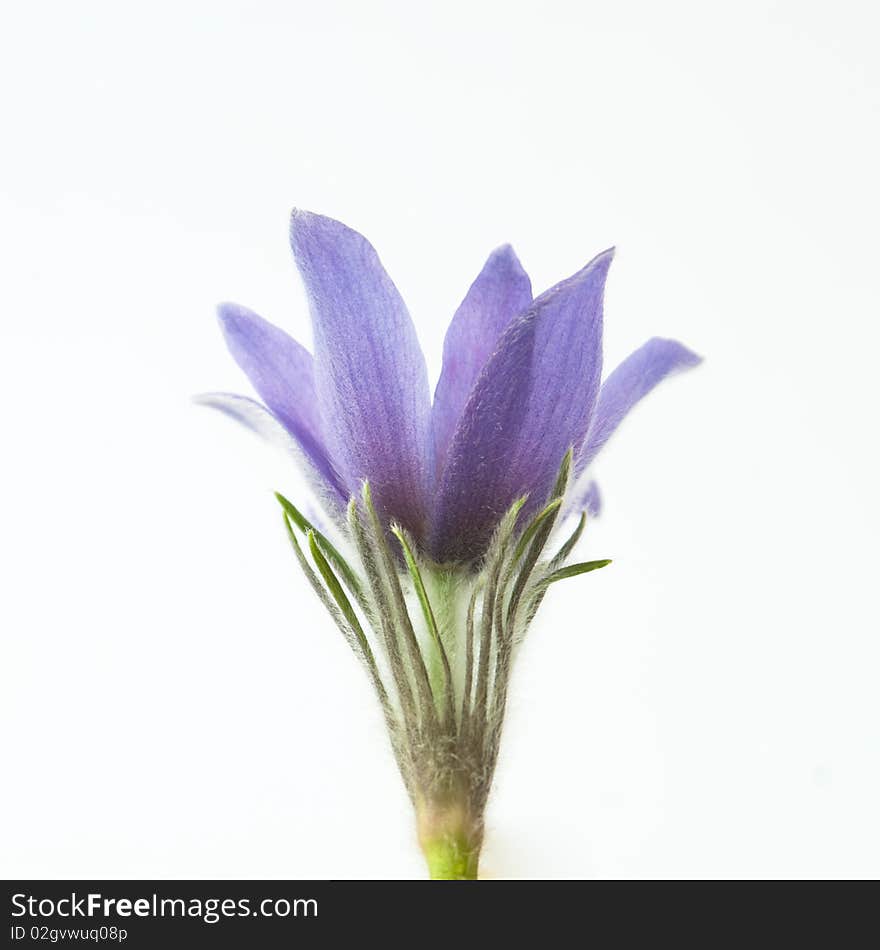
[174, 702]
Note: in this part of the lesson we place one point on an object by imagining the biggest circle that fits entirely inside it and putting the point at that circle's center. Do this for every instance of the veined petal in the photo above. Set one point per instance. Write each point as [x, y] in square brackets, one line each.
[633, 379]
[256, 417]
[531, 403]
[370, 373]
[501, 292]
[280, 370]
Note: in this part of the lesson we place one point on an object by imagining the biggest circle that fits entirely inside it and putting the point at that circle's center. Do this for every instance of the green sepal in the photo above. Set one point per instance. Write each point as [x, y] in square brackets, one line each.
[418, 583]
[532, 529]
[338, 594]
[569, 545]
[317, 586]
[572, 570]
[428, 611]
[333, 596]
[535, 537]
[352, 581]
[398, 614]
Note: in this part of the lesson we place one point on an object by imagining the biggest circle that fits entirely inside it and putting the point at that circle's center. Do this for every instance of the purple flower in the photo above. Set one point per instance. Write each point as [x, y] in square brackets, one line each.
[447, 509]
[520, 385]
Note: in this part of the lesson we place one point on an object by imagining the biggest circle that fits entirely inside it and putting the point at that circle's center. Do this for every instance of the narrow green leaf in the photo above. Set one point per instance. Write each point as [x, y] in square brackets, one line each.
[572, 570]
[295, 514]
[343, 602]
[469, 658]
[352, 581]
[336, 591]
[382, 616]
[317, 586]
[419, 585]
[349, 627]
[503, 532]
[472, 727]
[532, 529]
[536, 537]
[427, 610]
[399, 611]
[561, 485]
[573, 539]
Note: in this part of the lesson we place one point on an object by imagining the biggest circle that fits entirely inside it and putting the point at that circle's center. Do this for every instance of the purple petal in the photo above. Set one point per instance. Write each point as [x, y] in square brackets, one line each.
[256, 417]
[584, 495]
[531, 403]
[370, 374]
[280, 370]
[501, 292]
[589, 500]
[636, 376]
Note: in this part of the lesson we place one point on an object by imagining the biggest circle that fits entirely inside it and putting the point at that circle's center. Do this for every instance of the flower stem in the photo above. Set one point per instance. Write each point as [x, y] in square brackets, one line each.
[451, 860]
[451, 840]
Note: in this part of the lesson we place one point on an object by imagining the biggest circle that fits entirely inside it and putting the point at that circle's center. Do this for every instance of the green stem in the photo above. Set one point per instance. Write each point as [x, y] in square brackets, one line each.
[451, 840]
[451, 860]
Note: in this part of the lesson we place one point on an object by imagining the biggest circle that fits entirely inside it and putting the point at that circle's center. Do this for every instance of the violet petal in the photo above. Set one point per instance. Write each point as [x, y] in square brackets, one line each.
[370, 373]
[281, 372]
[259, 420]
[633, 379]
[501, 292]
[531, 403]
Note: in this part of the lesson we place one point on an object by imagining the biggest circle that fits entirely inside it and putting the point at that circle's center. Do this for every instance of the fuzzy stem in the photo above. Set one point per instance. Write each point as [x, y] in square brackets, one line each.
[451, 860]
[451, 839]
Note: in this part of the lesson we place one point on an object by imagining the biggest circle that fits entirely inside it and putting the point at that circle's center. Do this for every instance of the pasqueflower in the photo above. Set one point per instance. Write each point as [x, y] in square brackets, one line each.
[443, 509]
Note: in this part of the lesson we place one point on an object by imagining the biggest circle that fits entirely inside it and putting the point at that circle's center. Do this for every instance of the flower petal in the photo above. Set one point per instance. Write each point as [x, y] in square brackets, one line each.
[370, 373]
[590, 500]
[531, 403]
[256, 417]
[501, 292]
[636, 376]
[280, 370]
[583, 495]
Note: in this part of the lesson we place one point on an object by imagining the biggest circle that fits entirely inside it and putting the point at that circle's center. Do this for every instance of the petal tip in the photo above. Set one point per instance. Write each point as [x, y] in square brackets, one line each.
[227, 312]
[312, 236]
[299, 216]
[594, 271]
[302, 221]
[684, 356]
[507, 257]
[604, 258]
[234, 319]
[239, 408]
[504, 252]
